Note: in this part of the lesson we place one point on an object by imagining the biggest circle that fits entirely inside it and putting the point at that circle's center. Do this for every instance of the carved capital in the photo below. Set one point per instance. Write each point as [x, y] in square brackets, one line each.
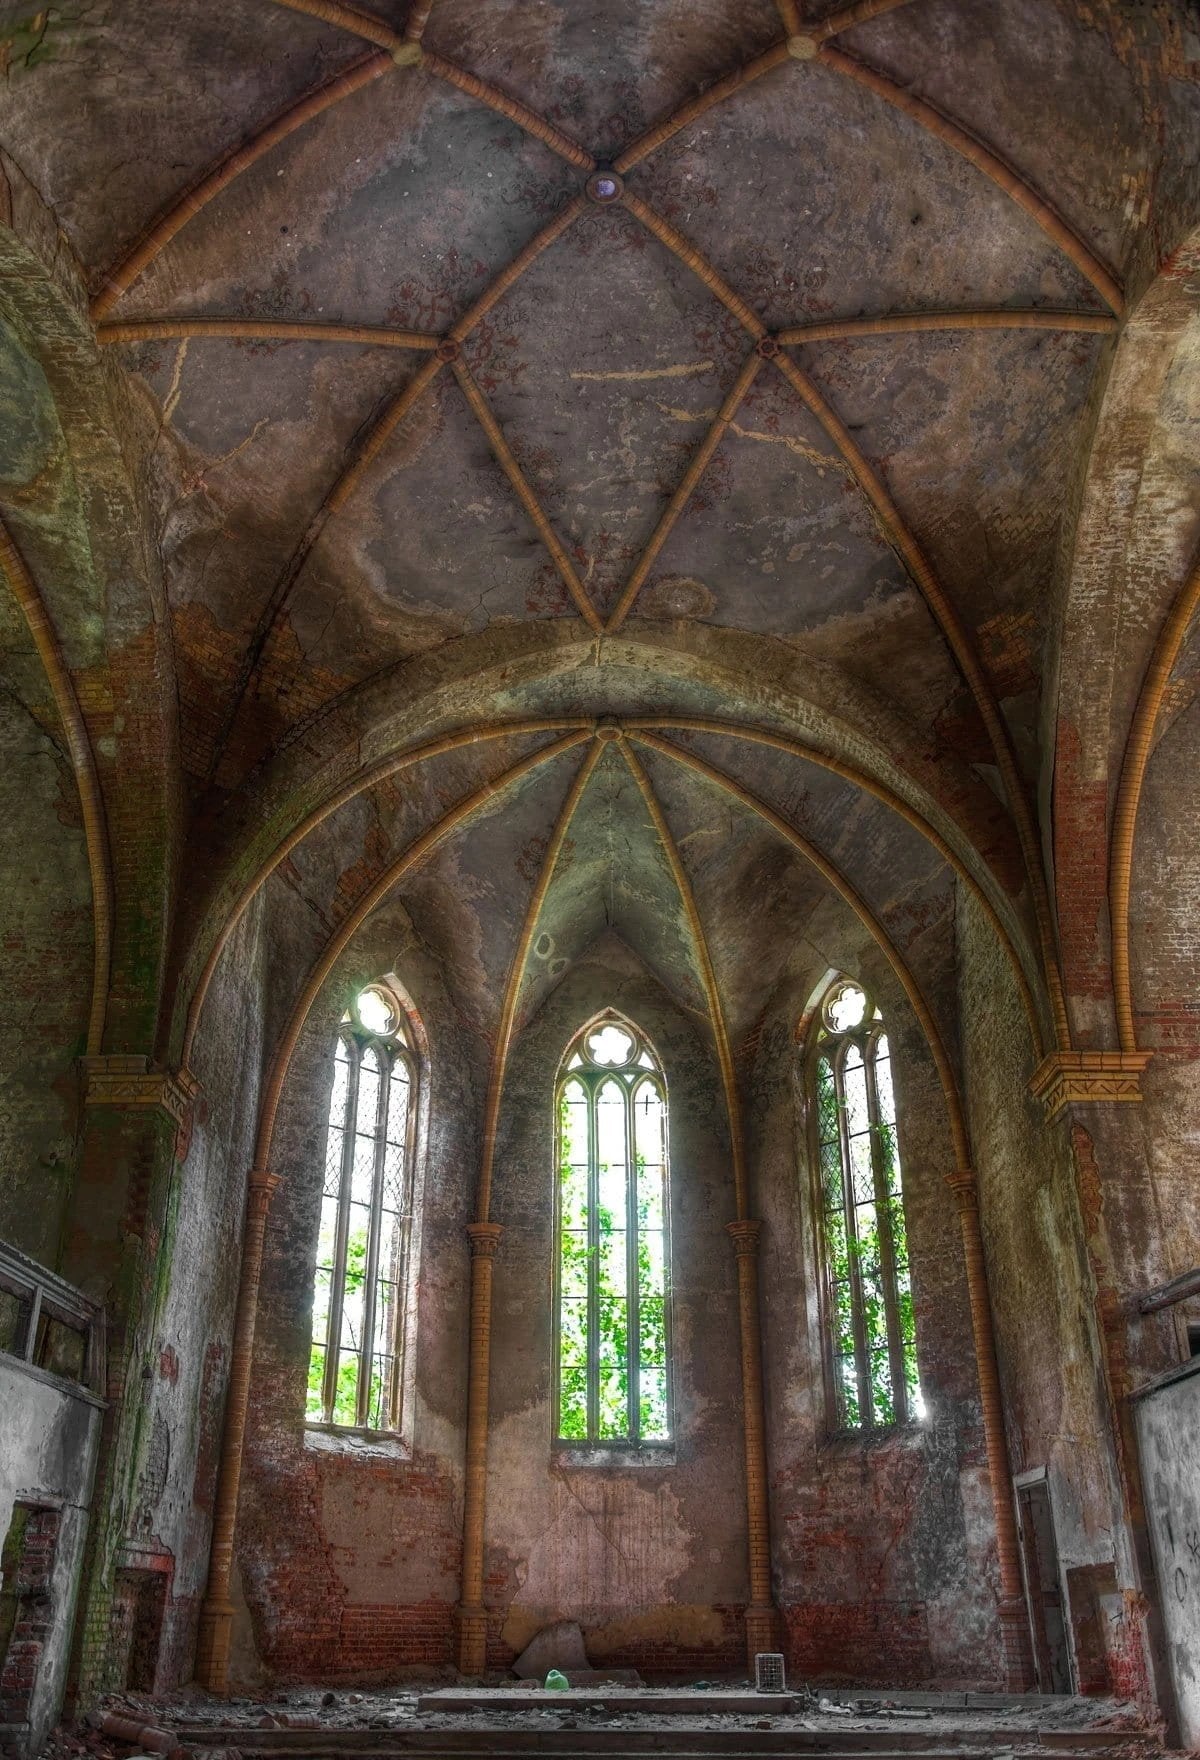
[260, 1189]
[115, 1080]
[962, 1184]
[484, 1238]
[1069, 1078]
[744, 1236]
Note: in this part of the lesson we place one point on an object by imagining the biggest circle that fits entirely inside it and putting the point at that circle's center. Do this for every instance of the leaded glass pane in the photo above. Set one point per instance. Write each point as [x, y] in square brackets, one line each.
[314, 1404]
[363, 1217]
[865, 1239]
[653, 1424]
[612, 1401]
[609, 1107]
[854, 1085]
[572, 1403]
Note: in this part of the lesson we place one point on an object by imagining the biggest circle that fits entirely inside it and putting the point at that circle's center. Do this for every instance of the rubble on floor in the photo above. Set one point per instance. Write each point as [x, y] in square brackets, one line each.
[320, 1720]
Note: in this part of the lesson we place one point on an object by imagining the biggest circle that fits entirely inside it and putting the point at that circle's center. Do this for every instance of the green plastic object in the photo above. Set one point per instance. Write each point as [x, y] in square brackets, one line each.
[557, 1682]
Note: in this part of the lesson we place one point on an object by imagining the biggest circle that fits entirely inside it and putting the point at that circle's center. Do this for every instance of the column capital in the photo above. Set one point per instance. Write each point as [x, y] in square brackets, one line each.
[744, 1235]
[115, 1079]
[484, 1238]
[962, 1184]
[1066, 1078]
[119, 1080]
[260, 1189]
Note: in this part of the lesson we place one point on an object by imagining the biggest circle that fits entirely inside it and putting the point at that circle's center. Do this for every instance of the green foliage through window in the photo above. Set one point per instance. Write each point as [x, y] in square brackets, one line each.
[362, 1252]
[611, 1158]
[869, 1292]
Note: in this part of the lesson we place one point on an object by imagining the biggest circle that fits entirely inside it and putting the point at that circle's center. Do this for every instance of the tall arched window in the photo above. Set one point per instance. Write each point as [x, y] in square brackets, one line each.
[613, 1360]
[868, 1295]
[356, 1365]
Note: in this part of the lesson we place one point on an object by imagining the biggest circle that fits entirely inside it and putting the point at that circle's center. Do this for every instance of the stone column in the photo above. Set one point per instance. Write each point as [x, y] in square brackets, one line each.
[760, 1614]
[1014, 1620]
[216, 1615]
[472, 1616]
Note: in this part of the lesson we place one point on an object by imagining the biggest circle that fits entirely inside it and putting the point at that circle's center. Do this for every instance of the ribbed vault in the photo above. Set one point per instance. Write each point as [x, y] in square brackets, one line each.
[456, 325]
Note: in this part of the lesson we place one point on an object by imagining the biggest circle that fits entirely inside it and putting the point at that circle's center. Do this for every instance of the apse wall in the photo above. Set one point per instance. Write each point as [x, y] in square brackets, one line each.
[649, 1555]
[884, 1544]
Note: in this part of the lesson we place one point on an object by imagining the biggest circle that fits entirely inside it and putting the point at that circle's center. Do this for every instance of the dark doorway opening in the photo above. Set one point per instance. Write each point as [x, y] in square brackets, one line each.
[1043, 1585]
[138, 1606]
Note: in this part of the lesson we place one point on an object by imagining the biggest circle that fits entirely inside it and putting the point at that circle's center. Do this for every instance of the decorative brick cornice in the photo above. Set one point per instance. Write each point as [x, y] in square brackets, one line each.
[1067, 1078]
[134, 1082]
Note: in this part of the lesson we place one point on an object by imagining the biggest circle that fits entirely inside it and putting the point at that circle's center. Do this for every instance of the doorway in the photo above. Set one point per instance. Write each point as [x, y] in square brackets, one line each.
[1043, 1583]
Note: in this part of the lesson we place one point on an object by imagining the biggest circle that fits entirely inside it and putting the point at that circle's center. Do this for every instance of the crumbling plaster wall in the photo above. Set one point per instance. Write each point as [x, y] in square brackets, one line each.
[349, 1555]
[1043, 1294]
[48, 1445]
[45, 977]
[884, 1546]
[186, 1365]
[648, 1555]
[1163, 1228]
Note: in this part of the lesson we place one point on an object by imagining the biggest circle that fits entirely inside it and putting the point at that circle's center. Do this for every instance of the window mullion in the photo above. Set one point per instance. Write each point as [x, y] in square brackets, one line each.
[887, 1244]
[337, 1282]
[396, 1389]
[593, 1262]
[371, 1272]
[866, 1406]
[633, 1329]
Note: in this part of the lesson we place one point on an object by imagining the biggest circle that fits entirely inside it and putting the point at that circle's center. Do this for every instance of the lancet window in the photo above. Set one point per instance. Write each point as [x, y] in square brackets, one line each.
[356, 1364]
[613, 1381]
[869, 1322]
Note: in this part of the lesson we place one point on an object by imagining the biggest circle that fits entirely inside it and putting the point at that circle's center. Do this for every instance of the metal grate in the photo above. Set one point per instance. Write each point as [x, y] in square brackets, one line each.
[768, 1672]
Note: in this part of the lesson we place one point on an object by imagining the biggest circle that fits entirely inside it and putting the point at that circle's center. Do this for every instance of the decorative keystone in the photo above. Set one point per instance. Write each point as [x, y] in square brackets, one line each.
[604, 187]
[448, 349]
[1069, 1078]
[802, 47]
[607, 728]
[407, 54]
[767, 347]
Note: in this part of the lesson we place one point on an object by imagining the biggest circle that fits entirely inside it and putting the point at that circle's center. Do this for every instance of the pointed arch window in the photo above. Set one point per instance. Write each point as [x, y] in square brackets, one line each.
[356, 1363]
[613, 1375]
[864, 1245]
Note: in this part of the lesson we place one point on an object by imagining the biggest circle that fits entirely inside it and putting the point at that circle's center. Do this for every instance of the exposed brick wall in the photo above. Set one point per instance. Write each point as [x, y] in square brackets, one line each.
[886, 1643]
[28, 1565]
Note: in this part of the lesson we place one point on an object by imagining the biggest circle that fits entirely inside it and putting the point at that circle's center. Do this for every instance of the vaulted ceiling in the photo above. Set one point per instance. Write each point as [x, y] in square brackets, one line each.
[648, 358]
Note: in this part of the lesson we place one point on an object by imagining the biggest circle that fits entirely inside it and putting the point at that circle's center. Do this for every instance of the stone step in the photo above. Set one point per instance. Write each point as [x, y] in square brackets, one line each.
[827, 1740]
